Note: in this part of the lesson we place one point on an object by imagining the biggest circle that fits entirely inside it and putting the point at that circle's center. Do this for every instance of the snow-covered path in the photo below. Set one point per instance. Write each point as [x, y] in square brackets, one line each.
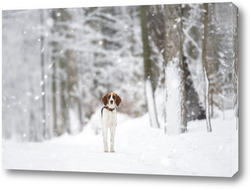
[139, 150]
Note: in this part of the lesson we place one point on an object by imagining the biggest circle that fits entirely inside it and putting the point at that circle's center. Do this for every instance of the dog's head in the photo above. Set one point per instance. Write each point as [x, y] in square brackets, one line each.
[111, 100]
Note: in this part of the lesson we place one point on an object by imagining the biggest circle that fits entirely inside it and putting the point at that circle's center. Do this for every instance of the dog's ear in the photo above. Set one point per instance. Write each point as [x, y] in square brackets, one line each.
[105, 99]
[118, 100]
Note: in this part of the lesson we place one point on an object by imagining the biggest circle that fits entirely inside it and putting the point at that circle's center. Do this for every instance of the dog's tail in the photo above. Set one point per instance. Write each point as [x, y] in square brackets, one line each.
[100, 118]
[102, 111]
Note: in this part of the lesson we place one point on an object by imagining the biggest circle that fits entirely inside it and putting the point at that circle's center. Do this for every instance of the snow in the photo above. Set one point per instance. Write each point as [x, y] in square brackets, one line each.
[140, 149]
[107, 42]
[173, 108]
[37, 98]
[74, 122]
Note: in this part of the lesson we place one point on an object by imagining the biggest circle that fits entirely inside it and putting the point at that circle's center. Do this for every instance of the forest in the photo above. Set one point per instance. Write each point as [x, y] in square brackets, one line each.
[178, 63]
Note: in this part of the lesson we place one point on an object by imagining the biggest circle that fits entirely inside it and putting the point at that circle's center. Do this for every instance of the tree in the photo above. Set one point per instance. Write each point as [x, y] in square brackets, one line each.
[174, 74]
[65, 77]
[236, 65]
[147, 69]
[55, 51]
[191, 57]
[192, 17]
[43, 91]
[205, 68]
[212, 65]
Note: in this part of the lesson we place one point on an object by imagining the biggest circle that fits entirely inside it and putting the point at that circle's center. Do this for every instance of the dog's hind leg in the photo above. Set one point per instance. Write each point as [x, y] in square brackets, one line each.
[112, 139]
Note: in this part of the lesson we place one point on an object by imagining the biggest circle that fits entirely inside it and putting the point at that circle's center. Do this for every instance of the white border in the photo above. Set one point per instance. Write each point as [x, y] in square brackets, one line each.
[60, 180]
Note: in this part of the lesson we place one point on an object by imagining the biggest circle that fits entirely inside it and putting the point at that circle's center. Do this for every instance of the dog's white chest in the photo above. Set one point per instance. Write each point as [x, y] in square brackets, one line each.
[109, 118]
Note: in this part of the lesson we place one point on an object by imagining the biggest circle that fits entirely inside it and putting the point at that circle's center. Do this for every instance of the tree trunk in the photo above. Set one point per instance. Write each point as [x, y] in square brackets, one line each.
[183, 79]
[176, 121]
[147, 69]
[61, 59]
[43, 92]
[54, 101]
[72, 89]
[63, 122]
[236, 68]
[54, 86]
[204, 62]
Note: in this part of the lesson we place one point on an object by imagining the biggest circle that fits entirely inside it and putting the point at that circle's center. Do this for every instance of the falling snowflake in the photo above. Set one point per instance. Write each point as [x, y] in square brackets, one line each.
[36, 97]
[100, 42]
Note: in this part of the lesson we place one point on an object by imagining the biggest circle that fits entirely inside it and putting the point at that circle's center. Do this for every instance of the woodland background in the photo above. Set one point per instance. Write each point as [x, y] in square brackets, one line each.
[177, 62]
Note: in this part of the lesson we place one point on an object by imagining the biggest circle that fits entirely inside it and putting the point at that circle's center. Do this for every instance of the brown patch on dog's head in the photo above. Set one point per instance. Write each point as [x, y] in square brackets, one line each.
[113, 96]
[105, 99]
[117, 99]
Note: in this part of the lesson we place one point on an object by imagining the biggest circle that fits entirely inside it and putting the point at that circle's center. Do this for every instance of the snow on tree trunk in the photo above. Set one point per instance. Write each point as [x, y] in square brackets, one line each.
[74, 90]
[174, 70]
[173, 105]
[75, 123]
[208, 121]
[151, 104]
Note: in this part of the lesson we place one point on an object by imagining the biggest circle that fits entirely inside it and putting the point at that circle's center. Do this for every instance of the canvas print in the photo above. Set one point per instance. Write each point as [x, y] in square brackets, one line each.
[150, 89]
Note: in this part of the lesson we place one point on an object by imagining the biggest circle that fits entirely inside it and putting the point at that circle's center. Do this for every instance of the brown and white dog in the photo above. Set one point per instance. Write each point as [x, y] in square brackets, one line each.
[109, 119]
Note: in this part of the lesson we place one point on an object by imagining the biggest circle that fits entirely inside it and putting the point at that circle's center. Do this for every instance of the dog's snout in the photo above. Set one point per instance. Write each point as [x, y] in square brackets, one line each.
[111, 101]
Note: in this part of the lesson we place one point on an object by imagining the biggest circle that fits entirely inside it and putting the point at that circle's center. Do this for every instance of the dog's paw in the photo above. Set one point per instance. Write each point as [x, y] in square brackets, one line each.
[112, 151]
[106, 151]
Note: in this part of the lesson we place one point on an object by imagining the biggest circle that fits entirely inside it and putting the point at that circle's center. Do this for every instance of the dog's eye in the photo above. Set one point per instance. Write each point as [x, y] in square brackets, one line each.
[114, 97]
[109, 96]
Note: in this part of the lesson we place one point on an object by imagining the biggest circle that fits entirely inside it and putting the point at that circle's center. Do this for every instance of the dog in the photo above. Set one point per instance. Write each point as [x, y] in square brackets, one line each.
[109, 119]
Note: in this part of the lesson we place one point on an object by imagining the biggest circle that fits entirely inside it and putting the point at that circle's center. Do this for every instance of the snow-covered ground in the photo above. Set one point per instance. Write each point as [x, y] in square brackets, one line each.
[139, 150]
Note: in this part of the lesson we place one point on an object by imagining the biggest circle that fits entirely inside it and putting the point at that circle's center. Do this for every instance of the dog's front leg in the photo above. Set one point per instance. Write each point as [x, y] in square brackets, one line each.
[112, 139]
[104, 135]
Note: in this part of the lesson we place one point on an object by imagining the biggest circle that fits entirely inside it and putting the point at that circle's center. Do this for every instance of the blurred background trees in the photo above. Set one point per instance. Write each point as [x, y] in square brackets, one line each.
[58, 63]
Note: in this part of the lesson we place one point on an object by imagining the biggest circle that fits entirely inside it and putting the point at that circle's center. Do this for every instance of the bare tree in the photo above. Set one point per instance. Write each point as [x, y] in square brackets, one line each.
[205, 68]
[43, 92]
[59, 75]
[174, 57]
[147, 69]
[236, 66]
